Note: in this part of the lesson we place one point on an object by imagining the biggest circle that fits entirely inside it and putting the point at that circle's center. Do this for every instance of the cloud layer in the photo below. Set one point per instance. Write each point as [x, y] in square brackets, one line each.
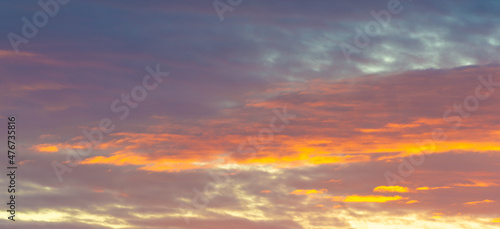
[262, 121]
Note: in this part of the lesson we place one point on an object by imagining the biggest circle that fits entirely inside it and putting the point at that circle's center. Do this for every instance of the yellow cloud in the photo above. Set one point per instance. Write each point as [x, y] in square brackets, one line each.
[430, 188]
[371, 198]
[149, 164]
[308, 191]
[437, 215]
[46, 148]
[479, 202]
[396, 188]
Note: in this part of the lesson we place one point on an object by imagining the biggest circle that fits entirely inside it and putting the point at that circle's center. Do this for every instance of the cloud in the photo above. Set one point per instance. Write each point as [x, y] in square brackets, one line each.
[477, 183]
[355, 120]
[430, 188]
[385, 189]
[308, 191]
[368, 199]
[479, 202]
[46, 148]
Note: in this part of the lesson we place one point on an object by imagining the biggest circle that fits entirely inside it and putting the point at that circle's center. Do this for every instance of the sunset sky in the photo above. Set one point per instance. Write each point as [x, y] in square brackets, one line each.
[252, 114]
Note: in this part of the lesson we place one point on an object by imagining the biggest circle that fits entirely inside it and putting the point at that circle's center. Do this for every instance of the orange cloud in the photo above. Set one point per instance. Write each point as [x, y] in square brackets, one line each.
[385, 189]
[26, 162]
[391, 127]
[476, 183]
[308, 191]
[318, 138]
[149, 164]
[334, 181]
[437, 215]
[431, 188]
[46, 148]
[301, 159]
[479, 202]
[397, 137]
[368, 199]
[21, 54]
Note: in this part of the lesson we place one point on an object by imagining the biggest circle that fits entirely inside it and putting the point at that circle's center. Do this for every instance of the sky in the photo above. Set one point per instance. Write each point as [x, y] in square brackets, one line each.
[251, 114]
